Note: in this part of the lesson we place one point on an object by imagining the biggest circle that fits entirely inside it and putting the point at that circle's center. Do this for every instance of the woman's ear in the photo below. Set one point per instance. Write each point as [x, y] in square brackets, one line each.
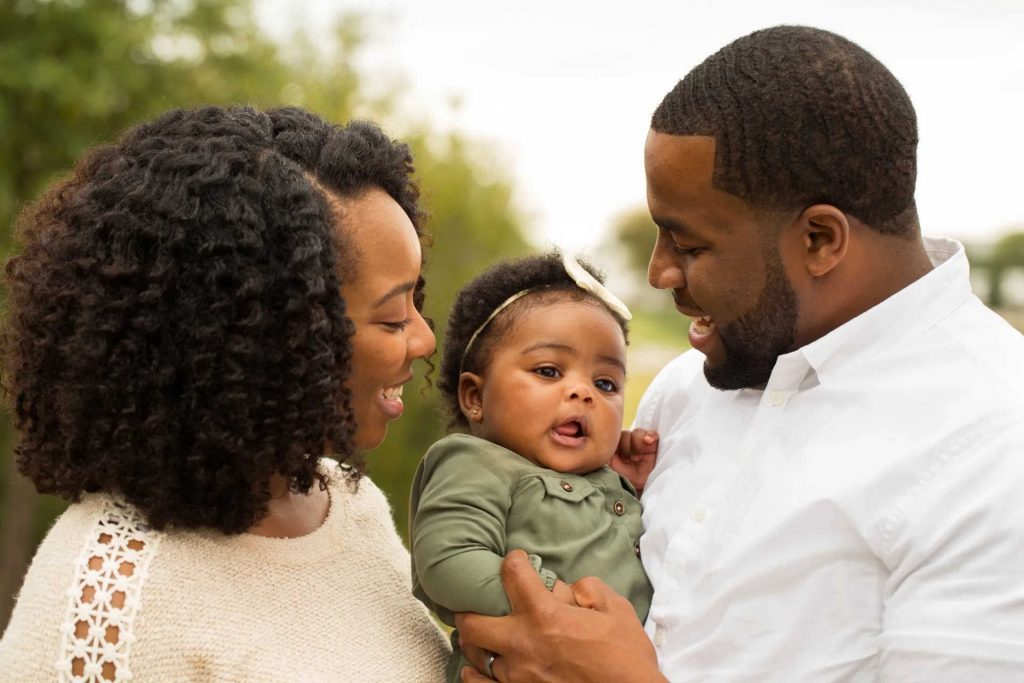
[471, 396]
[824, 238]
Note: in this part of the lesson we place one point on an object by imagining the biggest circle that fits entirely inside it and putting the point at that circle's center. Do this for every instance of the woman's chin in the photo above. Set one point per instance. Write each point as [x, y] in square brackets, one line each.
[368, 439]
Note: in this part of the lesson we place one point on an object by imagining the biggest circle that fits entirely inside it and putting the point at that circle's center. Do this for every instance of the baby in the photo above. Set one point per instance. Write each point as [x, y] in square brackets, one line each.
[534, 367]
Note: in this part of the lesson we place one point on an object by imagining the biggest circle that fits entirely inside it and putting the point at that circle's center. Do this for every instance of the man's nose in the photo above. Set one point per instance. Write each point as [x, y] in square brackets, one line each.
[663, 272]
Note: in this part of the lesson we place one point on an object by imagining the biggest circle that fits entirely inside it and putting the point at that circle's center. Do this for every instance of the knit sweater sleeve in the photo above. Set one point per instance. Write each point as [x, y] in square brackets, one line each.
[460, 502]
[75, 609]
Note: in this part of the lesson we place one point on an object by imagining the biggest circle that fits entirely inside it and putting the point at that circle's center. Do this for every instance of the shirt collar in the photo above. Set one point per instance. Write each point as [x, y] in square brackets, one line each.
[916, 307]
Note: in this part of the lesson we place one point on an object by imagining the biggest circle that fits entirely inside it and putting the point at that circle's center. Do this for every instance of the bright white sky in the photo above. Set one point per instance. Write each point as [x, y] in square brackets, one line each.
[562, 92]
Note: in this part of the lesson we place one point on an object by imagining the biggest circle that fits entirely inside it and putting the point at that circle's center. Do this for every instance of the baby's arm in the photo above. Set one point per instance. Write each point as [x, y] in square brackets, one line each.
[635, 456]
[460, 504]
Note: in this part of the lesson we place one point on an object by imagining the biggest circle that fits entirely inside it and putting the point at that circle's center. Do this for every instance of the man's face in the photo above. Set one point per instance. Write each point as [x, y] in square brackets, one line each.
[720, 262]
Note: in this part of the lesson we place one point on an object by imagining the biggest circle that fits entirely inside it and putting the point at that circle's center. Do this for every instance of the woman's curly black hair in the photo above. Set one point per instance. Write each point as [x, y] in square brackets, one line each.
[547, 281]
[176, 333]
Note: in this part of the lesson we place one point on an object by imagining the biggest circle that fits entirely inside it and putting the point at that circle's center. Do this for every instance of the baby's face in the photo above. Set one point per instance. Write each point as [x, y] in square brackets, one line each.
[553, 390]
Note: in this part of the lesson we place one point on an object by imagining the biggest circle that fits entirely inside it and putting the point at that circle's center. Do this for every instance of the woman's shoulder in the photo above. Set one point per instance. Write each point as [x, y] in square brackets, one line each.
[77, 606]
[355, 500]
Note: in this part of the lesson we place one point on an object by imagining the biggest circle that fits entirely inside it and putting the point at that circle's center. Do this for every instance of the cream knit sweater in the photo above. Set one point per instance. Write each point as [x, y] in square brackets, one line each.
[107, 599]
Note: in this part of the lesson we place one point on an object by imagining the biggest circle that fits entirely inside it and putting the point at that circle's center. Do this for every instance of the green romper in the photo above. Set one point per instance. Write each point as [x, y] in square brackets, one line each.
[473, 501]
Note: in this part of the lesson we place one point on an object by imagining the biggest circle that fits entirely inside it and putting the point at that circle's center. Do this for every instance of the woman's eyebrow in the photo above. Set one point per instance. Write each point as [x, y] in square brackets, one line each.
[393, 292]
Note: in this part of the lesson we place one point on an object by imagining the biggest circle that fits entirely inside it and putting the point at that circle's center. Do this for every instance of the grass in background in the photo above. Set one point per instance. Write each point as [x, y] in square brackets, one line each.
[656, 336]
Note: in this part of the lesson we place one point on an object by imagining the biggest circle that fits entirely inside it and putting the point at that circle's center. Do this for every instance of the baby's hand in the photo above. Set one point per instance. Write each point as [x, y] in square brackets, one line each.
[635, 457]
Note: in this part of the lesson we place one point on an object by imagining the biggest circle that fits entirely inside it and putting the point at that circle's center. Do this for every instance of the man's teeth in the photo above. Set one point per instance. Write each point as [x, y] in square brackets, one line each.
[704, 324]
[393, 393]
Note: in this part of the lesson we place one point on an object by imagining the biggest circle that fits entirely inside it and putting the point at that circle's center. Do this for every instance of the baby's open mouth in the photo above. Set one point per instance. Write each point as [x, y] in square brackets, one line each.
[572, 428]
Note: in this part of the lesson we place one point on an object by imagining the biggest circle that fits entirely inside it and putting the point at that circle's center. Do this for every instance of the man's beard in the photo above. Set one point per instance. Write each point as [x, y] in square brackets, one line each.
[755, 340]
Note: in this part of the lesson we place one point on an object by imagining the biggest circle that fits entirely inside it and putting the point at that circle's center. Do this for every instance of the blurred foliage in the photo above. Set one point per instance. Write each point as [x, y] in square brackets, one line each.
[76, 73]
[1005, 255]
[635, 233]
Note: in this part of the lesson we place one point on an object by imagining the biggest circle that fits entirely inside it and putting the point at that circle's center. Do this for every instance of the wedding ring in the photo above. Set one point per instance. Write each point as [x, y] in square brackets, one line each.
[487, 667]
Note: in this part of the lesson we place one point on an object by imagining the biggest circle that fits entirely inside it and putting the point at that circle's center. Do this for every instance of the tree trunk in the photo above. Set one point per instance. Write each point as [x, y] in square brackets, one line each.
[15, 536]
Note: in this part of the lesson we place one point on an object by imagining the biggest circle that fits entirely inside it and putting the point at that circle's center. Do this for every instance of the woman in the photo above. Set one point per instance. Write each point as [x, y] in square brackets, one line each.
[197, 315]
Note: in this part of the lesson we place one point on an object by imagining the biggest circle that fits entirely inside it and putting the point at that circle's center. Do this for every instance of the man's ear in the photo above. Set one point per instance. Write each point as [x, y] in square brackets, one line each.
[824, 238]
[471, 396]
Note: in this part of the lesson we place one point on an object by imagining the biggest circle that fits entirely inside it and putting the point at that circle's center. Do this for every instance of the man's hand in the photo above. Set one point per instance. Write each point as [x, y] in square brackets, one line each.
[545, 639]
[635, 457]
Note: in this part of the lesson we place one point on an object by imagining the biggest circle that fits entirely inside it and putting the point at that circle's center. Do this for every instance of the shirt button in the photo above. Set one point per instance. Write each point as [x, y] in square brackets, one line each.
[619, 508]
[700, 513]
[566, 486]
[778, 398]
[659, 636]
[636, 548]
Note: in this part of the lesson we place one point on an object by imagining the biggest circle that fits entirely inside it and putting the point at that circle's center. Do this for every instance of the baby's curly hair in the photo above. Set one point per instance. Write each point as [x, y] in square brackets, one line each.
[545, 278]
[802, 116]
[175, 331]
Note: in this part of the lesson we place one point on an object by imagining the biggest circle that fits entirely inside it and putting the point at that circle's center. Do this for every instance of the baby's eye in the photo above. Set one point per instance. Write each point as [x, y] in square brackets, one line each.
[606, 385]
[547, 371]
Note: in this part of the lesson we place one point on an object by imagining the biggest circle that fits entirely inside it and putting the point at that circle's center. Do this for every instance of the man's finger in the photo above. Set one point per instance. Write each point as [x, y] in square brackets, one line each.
[643, 441]
[525, 589]
[625, 444]
[592, 593]
[480, 632]
[476, 655]
[470, 675]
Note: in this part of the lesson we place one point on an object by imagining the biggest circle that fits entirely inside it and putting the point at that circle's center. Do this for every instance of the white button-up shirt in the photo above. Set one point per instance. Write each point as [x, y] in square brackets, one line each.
[862, 517]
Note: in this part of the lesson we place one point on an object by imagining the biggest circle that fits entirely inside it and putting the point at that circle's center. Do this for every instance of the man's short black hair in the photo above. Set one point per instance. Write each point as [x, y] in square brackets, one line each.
[802, 116]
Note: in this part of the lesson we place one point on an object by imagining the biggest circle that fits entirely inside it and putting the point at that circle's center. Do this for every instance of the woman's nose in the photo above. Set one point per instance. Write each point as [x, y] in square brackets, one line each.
[421, 338]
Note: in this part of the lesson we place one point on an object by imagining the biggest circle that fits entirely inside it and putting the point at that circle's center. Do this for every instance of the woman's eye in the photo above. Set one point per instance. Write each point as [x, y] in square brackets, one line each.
[606, 385]
[397, 326]
[547, 371]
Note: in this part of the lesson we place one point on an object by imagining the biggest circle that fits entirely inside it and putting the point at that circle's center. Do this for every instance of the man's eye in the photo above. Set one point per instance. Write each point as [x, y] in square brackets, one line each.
[606, 385]
[547, 371]
[685, 251]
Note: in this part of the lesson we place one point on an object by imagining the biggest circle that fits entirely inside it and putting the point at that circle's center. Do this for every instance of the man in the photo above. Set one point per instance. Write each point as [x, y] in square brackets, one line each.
[841, 456]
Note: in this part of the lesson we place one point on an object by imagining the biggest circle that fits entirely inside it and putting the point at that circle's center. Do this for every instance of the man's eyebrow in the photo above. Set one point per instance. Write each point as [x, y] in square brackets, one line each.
[675, 227]
[553, 346]
[393, 292]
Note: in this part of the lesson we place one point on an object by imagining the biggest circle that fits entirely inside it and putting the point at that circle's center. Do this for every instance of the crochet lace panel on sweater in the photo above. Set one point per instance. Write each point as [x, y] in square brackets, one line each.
[104, 597]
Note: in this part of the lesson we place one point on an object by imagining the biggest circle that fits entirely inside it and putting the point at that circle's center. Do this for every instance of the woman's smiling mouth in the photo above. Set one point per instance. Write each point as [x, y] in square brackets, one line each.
[391, 401]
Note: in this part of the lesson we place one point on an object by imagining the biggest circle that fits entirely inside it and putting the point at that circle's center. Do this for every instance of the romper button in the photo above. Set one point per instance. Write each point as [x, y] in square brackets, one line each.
[619, 508]
[636, 548]
[566, 486]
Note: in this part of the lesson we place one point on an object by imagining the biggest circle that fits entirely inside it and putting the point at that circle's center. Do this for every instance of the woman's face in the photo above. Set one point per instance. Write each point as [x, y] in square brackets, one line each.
[390, 333]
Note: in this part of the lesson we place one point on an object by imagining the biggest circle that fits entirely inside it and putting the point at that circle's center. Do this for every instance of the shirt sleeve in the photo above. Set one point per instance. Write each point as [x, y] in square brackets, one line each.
[954, 604]
[458, 529]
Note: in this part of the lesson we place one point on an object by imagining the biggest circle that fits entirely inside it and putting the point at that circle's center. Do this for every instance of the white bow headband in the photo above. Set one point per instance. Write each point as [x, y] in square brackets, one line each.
[583, 279]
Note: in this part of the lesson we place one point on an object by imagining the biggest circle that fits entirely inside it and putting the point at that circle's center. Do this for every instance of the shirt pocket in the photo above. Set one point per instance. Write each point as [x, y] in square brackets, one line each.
[569, 489]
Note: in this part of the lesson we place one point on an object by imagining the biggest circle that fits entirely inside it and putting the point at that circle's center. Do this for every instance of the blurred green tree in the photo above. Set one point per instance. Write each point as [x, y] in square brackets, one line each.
[635, 232]
[78, 73]
[1006, 254]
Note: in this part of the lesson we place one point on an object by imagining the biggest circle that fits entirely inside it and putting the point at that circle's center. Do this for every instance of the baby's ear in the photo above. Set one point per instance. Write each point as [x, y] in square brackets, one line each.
[471, 396]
